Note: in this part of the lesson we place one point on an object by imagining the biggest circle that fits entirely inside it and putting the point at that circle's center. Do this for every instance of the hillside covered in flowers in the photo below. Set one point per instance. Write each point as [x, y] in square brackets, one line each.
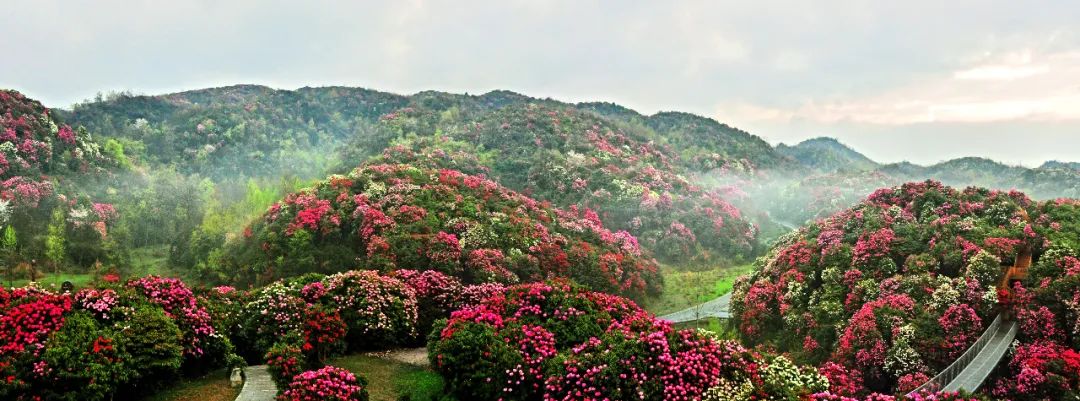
[392, 216]
[46, 170]
[884, 295]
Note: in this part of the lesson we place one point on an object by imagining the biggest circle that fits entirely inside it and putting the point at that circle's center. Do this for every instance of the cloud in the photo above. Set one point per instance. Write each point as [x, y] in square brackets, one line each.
[778, 65]
[1037, 87]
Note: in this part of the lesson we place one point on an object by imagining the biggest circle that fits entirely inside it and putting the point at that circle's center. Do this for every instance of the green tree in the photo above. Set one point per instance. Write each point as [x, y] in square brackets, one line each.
[54, 242]
[8, 244]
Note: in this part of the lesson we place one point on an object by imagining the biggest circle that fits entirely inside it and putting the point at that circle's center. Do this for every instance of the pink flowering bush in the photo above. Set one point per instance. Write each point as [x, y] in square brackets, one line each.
[556, 341]
[378, 310]
[437, 294]
[180, 303]
[327, 384]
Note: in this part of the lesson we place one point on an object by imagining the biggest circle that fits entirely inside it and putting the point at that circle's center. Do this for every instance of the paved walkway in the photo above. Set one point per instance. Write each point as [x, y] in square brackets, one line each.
[257, 385]
[411, 356]
[719, 307]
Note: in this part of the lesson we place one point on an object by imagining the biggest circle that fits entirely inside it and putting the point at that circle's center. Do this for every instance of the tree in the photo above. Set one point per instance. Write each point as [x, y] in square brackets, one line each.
[54, 242]
[8, 243]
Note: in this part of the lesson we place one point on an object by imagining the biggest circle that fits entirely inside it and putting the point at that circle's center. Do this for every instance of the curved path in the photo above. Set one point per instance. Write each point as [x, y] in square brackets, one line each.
[258, 386]
[719, 307]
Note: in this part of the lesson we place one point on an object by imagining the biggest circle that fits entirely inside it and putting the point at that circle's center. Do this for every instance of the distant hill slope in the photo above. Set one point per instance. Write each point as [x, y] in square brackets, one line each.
[1052, 164]
[827, 155]
[251, 130]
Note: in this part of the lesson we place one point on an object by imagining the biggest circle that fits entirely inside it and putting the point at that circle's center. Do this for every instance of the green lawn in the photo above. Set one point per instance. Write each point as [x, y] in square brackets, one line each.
[212, 387]
[49, 280]
[144, 261]
[683, 289]
[391, 380]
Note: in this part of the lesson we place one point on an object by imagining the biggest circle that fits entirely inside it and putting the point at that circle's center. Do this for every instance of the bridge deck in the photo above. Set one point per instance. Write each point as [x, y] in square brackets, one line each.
[984, 363]
[719, 307]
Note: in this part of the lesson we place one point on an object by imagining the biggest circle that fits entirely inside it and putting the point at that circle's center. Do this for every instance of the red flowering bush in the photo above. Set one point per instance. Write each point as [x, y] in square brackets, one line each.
[284, 361]
[324, 333]
[32, 317]
[555, 340]
[326, 384]
[1045, 371]
[117, 342]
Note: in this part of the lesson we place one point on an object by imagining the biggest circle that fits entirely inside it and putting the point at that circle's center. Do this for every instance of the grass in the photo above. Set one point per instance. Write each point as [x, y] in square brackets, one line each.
[683, 288]
[150, 260]
[50, 280]
[144, 261]
[212, 387]
[391, 380]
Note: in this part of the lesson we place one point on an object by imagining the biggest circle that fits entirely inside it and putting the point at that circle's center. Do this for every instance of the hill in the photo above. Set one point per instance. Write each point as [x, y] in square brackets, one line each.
[893, 289]
[827, 155]
[46, 168]
[399, 216]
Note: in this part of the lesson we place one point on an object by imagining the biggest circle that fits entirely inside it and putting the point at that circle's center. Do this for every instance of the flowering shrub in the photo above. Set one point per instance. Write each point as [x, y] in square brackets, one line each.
[180, 303]
[378, 310]
[284, 361]
[1042, 370]
[276, 311]
[324, 333]
[555, 340]
[326, 384]
[107, 343]
[27, 325]
[436, 295]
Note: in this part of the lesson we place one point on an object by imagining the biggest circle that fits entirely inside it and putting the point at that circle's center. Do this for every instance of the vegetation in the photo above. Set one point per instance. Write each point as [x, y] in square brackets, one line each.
[354, 220]
[884, 295]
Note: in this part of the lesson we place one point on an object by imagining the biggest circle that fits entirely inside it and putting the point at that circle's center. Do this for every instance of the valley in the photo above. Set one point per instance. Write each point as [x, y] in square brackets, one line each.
[528, 244]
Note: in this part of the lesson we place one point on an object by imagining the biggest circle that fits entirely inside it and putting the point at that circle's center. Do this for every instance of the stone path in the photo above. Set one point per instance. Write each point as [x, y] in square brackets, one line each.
[411, 356]
[257, 385]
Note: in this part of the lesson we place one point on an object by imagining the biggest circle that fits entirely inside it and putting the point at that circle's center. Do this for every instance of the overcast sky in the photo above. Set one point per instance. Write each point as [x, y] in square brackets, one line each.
[922, 81]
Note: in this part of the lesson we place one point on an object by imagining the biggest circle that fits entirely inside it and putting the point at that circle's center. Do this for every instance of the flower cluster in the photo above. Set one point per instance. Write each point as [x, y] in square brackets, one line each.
[26, 326]
[327, 384]
[377, 309]
[555, 341]
[180, 303]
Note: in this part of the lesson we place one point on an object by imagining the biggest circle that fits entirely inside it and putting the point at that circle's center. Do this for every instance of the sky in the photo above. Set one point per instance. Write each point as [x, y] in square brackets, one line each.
[922, 81]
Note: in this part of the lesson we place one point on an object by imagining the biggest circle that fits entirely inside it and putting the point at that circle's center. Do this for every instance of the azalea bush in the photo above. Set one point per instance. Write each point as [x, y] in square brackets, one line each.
[112, 342]
[378, 310]
[284, 361]
[556, 340]
[326, 384]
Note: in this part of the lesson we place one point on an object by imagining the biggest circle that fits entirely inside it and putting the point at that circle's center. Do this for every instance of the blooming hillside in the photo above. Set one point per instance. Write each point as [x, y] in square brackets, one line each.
[396, 216]
[571, 157]
[43, 165]
[886, 294]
